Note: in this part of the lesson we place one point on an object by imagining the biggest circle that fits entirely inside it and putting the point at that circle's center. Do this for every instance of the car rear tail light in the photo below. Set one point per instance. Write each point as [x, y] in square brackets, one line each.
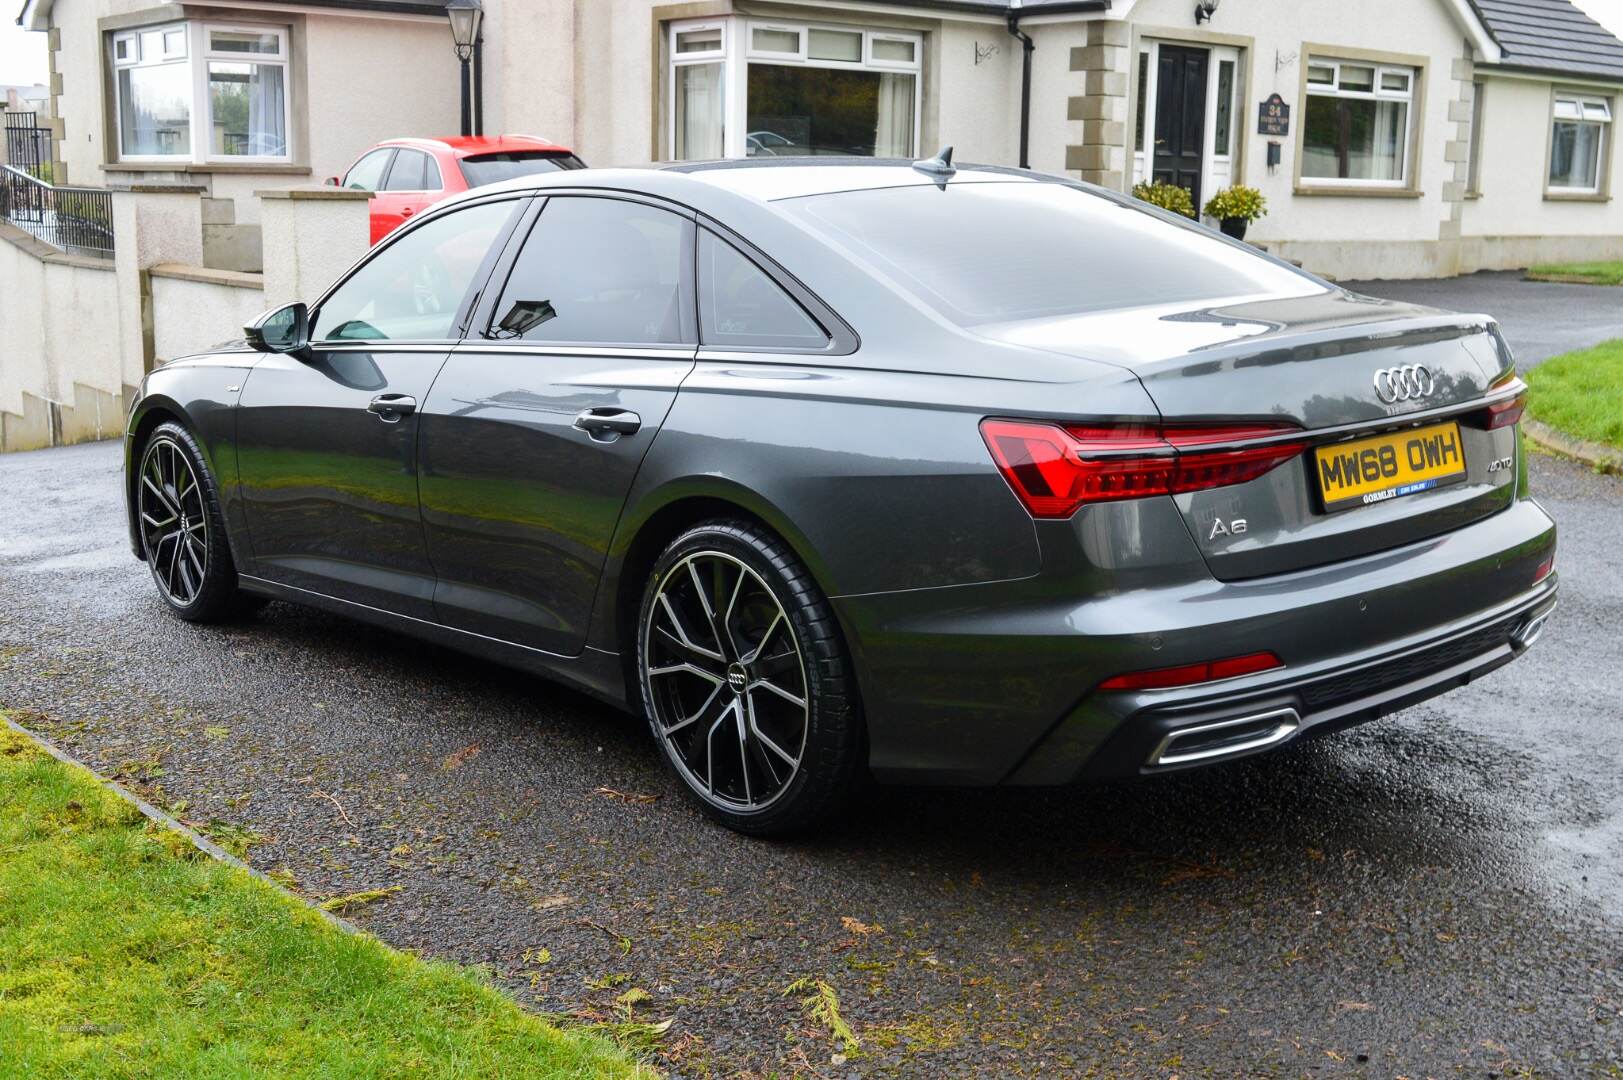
[1505, 413]
[1055, 468]
[1544, 568]
[1190, 674]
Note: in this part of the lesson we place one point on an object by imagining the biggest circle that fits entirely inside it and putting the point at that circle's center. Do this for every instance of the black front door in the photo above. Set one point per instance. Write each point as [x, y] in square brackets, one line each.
[1180, 117]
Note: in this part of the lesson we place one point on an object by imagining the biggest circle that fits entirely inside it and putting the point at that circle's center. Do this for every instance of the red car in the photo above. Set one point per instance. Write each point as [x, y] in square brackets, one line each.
[409, 175]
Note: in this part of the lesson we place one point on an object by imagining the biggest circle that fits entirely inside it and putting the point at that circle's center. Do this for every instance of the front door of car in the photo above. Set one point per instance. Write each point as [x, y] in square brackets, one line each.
[538, 423]
[327, 442]
[367, 175]
[411, 186]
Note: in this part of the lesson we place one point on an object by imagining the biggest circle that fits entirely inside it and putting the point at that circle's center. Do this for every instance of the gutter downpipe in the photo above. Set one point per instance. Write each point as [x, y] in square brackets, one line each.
[1028, 47]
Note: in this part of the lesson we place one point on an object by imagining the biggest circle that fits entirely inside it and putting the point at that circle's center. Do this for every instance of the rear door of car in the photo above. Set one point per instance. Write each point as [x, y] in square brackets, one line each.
[412, 184]
[540, 420]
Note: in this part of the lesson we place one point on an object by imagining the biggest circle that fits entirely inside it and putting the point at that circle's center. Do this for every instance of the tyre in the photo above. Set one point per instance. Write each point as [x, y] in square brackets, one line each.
[746, 682]
[183, 530]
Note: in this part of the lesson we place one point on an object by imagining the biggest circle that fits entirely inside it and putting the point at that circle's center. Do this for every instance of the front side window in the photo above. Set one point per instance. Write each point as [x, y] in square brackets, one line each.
[825, 91]
[367, 173]
[1578, 142]
[411, 289]
[599, 271]
[1358, 121]
[154, 88]
[202, 93]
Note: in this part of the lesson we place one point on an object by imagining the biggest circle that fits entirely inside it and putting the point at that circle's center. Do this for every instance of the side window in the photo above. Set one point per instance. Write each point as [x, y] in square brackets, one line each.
[411, 172]
[368, 172]
[601, 271]
[740, 305]
[411, 289]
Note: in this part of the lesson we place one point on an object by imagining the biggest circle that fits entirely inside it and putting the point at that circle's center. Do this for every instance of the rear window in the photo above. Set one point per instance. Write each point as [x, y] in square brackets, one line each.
[482, 169]
[1002, 252]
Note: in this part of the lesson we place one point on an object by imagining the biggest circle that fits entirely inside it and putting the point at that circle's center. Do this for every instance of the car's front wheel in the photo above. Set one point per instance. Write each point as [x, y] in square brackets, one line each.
[183, 530]
[745, 680]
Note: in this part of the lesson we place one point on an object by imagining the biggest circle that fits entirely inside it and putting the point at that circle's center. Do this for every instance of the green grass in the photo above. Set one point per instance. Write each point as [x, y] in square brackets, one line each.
[1581, 393]
[1589, 273]
[125, 953]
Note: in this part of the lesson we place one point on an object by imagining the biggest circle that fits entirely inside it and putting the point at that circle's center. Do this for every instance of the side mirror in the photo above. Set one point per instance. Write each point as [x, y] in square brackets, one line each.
[331, 181]
[281, 330]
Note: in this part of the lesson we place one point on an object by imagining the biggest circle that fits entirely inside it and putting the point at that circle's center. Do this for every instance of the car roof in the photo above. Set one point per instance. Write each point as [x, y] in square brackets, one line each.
[469, 145]
[772, 178]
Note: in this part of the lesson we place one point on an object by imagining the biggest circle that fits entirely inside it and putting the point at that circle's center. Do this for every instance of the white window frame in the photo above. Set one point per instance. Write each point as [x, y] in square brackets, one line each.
[737, 52]
[135, 60]
[201, 80]
[1583, 105]
[1335, 90]
[196, 53]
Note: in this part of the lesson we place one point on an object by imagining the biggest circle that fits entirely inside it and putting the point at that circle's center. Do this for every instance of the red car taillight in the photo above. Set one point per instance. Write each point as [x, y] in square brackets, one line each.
[1055, 468]
[1503, 414]
[1190, 674]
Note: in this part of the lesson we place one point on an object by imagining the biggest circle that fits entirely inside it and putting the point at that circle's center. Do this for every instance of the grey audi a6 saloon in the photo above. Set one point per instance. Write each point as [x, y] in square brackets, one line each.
[952, 475]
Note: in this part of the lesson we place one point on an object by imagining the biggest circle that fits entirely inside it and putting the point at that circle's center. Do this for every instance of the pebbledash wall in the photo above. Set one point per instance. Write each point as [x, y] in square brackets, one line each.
[597, 76]
[81, 333]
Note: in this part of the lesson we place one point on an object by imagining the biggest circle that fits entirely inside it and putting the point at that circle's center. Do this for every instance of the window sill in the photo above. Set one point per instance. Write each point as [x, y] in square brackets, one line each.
[275, 168]
[1576, 196]
[1354, 191]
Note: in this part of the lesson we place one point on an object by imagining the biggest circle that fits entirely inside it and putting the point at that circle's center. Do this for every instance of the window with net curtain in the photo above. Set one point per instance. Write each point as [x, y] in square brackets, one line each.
[809, 91]
[247, 98]
[1357, 123]
[1577, 139]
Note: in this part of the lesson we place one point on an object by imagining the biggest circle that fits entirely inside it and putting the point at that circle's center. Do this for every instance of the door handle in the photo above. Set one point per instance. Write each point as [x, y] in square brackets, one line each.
[391, 407]
[599, 423]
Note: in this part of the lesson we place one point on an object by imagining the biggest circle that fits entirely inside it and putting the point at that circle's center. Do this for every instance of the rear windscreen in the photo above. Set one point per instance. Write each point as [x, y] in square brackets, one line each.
[482, 169]
[1001, 252]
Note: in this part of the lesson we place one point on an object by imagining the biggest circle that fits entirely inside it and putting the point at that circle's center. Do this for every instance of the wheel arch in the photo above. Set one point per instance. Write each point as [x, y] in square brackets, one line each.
[148, 413]
[643, 535]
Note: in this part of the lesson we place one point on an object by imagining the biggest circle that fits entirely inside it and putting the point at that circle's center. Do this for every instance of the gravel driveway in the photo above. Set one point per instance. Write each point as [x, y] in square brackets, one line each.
[1437, 894]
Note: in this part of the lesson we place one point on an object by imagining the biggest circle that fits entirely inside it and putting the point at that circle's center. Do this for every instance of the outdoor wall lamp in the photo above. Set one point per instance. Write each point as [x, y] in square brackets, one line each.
[465, 17]
[1204, 10]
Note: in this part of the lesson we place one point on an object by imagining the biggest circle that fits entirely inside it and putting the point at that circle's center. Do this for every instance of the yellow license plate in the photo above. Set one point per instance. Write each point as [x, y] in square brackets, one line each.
[1386, 467]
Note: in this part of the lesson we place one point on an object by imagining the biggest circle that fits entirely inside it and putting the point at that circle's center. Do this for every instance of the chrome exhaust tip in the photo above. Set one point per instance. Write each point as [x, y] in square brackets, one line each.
[1531, 630]
[1225, 738]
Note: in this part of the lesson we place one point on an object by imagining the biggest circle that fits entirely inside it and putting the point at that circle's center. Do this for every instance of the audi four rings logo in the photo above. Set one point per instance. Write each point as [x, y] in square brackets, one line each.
[1411, 382]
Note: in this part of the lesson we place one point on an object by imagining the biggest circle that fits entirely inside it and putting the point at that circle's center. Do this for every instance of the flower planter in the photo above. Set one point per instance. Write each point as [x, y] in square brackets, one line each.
[1234, 226]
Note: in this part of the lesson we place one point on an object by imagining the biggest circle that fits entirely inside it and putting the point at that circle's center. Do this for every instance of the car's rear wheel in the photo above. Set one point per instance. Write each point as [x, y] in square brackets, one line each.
[183, 530]
[745, 680]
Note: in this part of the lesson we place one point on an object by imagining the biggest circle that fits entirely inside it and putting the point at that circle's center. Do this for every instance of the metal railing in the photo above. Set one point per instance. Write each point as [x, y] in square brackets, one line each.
[75, 220]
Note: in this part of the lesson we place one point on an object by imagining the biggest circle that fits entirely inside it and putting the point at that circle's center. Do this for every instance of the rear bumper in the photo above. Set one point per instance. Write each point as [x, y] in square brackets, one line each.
[994, 683]
[1237, 722]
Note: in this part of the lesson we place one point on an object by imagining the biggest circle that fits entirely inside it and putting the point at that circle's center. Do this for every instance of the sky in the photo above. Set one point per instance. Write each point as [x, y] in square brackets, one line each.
[22, 54]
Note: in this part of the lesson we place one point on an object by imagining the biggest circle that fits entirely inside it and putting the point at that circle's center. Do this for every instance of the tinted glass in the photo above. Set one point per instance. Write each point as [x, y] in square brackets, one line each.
[413, 171]
[485, 169]
[411, 289]
[597, 270]
[368, 172]
[999, 252]
[740, 305]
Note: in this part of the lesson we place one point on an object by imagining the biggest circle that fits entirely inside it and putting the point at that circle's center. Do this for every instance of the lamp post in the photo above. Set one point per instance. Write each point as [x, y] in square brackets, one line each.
[465, 16]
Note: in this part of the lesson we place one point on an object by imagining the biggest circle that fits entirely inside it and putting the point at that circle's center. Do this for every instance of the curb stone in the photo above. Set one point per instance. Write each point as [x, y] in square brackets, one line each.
[197, 839]
[1595, 455]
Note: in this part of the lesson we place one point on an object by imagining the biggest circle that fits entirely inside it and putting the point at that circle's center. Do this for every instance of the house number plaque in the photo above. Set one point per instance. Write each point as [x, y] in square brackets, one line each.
[1274, 116]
